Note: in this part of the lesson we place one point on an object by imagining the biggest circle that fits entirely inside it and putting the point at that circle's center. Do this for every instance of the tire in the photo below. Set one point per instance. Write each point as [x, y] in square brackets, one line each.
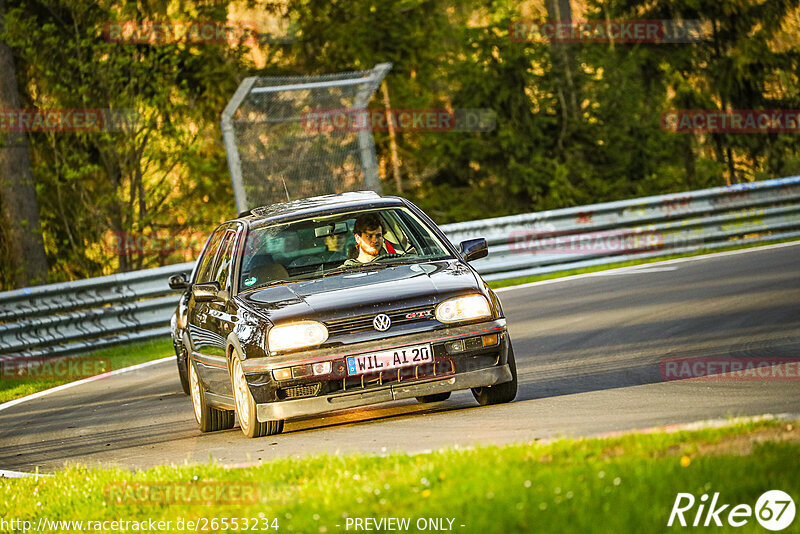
[436, 397]
[246, 406]
[499, 393]
[183, 372]
[208, 419]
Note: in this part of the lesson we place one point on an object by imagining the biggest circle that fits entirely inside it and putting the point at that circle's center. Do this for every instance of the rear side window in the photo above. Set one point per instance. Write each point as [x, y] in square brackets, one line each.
[222, 264]
[206, 261]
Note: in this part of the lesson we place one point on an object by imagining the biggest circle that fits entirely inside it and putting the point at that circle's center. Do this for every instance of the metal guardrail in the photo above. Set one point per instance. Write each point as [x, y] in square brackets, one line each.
[75, 317]
[611, 232]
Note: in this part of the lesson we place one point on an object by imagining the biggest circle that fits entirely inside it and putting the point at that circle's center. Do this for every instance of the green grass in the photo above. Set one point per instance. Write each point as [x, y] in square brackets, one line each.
[597, 268]
[623, 484]
[115, 357]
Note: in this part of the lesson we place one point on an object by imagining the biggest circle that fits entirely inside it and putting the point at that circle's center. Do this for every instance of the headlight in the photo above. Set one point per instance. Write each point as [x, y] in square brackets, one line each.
[463, 309]
[296, 335]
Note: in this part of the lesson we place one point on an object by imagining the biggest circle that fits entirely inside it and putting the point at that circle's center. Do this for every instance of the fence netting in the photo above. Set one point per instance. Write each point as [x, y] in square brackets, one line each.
[278, 148]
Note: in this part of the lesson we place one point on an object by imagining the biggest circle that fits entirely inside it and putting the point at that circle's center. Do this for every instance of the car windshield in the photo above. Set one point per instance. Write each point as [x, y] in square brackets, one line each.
[325, 246]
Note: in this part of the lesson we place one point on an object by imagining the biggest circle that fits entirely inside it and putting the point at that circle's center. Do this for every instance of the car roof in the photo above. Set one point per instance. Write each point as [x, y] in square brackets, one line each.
[322, 205]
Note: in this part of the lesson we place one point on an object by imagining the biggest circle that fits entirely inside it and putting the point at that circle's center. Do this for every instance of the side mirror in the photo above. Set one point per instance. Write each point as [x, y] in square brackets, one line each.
[205, 292]
[178, 281]
[474, 249]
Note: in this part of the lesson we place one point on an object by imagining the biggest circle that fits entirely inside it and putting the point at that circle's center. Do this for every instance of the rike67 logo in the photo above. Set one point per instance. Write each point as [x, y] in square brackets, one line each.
[774, 510]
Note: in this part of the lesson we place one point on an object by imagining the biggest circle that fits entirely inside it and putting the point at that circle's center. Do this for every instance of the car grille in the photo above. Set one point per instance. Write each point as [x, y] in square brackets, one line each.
[303, 390]
[363, 323]
[439, 368]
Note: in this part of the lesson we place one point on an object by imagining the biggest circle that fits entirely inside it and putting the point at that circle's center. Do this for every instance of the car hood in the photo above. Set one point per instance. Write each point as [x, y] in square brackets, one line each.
[362, 293]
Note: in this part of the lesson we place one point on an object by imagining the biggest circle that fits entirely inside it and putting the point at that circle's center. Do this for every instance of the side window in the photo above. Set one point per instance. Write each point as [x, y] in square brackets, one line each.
[206, 261]
[396, 234]
[222, 264]
[419, 235]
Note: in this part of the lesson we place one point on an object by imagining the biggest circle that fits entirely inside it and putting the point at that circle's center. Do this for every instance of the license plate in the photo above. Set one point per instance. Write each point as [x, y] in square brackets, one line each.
[389, 359]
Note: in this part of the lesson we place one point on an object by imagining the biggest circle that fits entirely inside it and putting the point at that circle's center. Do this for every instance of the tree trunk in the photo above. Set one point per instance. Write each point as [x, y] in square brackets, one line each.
[20, 210]
[392, 138]
[560, 12]
[720, 153]
[127, 240]
[689, 162]
[731, 166]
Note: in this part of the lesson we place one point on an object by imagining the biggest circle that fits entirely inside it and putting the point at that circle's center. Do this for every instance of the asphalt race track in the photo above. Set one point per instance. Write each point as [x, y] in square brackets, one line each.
[588, 351]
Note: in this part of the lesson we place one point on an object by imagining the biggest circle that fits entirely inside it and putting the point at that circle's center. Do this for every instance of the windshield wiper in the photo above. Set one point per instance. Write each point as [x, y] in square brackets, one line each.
[400, 261]
[269, 284]
[355, 268]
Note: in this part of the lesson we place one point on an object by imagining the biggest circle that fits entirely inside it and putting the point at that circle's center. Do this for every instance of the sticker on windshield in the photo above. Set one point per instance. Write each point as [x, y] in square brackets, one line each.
[250, 281]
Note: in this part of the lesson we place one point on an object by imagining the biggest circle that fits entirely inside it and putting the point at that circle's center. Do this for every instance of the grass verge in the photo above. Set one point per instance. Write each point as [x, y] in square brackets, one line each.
[617, 485]
[41, 377]
[597, 268]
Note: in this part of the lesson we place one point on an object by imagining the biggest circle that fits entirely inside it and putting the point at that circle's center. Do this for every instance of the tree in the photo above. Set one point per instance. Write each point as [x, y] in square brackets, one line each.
[20, 210]
[740, 63]
[120, 198]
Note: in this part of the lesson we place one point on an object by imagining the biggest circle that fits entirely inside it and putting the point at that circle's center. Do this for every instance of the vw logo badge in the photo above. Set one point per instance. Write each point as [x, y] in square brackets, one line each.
[382, 322]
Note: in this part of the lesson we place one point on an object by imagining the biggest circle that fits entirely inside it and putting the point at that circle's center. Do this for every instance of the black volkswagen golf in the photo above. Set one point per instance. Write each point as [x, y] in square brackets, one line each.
[334, 302]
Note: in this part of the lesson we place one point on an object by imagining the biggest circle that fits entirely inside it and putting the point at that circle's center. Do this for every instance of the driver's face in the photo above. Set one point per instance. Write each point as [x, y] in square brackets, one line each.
[370, 241]
[373, 237]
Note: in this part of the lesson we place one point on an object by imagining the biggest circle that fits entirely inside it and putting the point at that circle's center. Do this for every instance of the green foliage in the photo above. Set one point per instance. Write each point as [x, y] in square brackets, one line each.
[748, 59]
[97, 188]
[576, 124]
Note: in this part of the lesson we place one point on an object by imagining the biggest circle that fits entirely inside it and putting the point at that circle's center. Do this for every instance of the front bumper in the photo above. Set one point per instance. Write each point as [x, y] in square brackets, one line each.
[469, 368]
[316, 405]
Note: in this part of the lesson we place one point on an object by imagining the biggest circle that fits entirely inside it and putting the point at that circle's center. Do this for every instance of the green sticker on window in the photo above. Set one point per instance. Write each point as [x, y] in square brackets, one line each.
[250, 281]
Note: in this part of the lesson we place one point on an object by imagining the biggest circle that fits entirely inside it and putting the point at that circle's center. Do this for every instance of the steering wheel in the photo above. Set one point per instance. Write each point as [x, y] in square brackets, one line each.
[390, 255]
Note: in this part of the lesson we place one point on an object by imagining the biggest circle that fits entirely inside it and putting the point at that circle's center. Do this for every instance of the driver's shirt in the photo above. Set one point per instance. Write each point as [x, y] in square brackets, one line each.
[354, 261]
[387, 249]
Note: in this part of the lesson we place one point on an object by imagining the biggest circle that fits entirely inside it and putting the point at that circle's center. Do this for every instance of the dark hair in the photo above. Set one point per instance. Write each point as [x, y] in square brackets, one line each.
[367, 221]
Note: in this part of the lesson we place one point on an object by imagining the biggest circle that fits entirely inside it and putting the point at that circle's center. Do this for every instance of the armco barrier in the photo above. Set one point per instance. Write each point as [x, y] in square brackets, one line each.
[74, 317]
[682, 222]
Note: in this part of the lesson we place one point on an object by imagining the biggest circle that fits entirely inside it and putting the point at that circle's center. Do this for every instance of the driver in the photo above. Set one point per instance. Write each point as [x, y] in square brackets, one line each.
[370, 244]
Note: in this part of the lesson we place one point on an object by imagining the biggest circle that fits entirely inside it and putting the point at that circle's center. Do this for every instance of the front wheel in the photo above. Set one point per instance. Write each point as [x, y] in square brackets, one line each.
[499, 393]
[246, 406]
[209, 419]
